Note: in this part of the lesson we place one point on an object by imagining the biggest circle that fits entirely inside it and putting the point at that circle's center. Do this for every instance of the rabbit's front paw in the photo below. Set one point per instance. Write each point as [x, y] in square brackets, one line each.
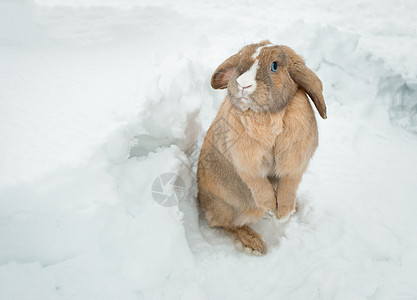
[268, 206]
[268, 202]
[284, 213]
[263, 194]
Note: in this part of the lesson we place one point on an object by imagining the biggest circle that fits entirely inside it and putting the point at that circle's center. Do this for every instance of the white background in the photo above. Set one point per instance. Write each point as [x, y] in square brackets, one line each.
[98, 98]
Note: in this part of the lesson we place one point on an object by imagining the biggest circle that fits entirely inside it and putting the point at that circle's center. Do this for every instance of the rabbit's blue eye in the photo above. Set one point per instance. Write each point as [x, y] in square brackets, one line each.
[274, 66]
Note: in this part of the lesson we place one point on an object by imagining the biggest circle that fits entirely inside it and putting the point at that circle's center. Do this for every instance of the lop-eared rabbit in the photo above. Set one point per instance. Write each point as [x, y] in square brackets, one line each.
[260, 143]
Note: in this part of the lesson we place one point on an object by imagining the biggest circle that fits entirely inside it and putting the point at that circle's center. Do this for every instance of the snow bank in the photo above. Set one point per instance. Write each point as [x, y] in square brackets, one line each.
[102, 105]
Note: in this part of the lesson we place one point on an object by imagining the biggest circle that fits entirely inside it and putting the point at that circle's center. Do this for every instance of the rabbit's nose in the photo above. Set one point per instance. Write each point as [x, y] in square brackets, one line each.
[243, 86]
[247, 80]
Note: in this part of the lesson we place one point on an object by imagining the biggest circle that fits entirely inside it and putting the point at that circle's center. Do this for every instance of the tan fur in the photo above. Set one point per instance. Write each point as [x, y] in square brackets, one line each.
[252, 161]
[246, 238]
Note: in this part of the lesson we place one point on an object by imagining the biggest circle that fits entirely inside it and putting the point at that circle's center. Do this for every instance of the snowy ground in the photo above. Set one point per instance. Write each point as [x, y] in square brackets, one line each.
[97, 101]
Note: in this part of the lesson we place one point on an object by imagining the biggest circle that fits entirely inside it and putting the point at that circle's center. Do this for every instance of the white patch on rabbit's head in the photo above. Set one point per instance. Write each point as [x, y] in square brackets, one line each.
[247, 81]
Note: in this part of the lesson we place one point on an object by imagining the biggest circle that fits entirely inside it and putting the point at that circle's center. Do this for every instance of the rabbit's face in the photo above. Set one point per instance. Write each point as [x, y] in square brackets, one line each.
[264, 78]
[261, 80]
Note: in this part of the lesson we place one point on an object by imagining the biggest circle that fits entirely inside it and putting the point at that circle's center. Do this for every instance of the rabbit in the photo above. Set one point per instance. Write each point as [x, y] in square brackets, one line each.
[259, 145]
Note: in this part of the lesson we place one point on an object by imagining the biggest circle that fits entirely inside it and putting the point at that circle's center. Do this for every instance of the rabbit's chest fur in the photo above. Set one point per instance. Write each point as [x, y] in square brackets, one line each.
[272, 144]
[257, 136]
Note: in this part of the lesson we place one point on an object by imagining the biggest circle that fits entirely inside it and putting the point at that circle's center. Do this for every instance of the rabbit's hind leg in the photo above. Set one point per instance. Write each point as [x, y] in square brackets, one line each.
[247, 240]
[234, 221]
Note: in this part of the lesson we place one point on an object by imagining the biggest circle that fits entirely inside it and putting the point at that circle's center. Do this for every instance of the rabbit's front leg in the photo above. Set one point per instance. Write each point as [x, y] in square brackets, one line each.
[286, 195]
[262, 191]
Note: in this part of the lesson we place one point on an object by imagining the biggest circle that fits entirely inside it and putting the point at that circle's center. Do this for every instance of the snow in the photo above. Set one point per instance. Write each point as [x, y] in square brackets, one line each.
[100, 98]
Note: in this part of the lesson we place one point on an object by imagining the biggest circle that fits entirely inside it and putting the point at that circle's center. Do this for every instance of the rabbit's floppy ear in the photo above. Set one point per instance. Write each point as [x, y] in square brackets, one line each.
[308, 80]
[222, 74]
